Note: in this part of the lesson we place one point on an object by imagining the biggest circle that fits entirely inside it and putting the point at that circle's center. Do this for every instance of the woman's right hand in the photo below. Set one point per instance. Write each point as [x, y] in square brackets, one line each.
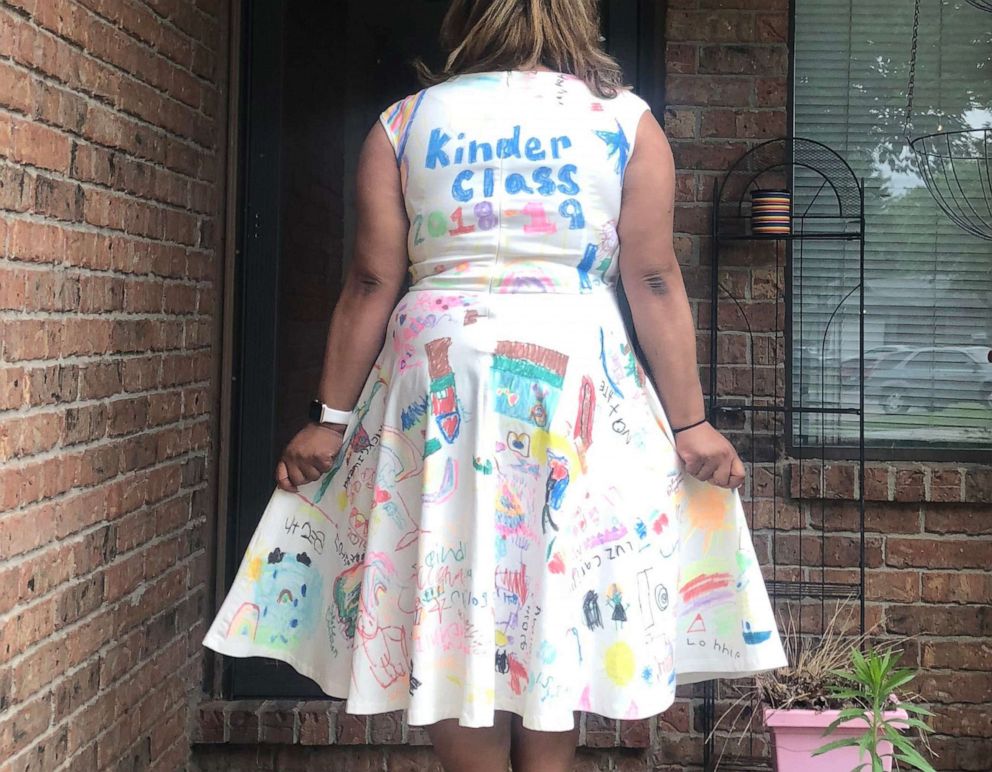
[709, 456]
[308, 455]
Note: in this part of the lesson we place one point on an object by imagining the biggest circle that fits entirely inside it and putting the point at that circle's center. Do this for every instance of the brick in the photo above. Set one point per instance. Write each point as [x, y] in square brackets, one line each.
[18, 727]
[15, 88]
[877, 482]
[946, 485]
[351, 729]
[938, 620]
[761, 124]
[957, 587]
[635, 734]
[834, 551]
[769, 513]
[13, 383]
[954, 655]
[710, 26]
[685, 190]
[210, 725]
[909, 485]
[39, 669]
[417, 735]
[771, 92]
[743, 60]
[315, 723]
[963, 721]
[413, 760]
[678, 718]
[718, 123]
[27, 529]
[600, 732]
[277, 721]
[386, 728]
[958, 519]
[167, 732]
[978, 485]
[708, 90]
[17, 185]
[771, 28]
[57, 198]
[969, 687]
[29, 435]
[697, 155]
[931, 553]
[898, 586]
[680, 58]
[121, 658]
[886, 518]
[840, 480]
[112, 744]
[41, 146]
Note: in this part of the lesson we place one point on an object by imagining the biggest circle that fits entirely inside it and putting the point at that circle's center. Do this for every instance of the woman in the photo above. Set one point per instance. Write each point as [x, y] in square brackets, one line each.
[513, 523]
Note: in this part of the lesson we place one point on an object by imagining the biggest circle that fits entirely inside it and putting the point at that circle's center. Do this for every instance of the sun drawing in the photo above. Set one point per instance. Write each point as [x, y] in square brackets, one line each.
[709, 511]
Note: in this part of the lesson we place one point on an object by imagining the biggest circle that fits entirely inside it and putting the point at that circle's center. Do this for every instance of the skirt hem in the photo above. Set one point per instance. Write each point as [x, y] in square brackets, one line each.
[692, 672]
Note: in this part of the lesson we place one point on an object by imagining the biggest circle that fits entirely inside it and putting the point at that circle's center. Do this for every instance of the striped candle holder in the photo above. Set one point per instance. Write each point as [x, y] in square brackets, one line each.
[771, 212]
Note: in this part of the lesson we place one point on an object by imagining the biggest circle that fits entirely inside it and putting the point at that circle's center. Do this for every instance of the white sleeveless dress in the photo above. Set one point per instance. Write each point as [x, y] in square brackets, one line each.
[507, 526]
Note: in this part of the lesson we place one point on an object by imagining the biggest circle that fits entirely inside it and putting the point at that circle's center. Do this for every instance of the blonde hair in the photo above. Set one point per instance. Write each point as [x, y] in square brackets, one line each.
[491, 35]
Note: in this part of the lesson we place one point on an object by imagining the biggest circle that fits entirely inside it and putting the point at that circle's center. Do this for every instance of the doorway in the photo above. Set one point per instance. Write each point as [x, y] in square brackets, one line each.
[314, 77]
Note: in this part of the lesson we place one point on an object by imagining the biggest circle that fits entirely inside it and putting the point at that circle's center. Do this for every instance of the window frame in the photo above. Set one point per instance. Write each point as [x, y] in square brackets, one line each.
[919, 453]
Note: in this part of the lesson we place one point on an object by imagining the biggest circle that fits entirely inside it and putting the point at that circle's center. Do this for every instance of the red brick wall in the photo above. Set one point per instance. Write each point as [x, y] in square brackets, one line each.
[112, 131]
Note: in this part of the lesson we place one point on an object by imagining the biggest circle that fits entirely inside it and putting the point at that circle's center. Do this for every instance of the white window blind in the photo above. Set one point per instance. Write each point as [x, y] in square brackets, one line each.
[928, 284]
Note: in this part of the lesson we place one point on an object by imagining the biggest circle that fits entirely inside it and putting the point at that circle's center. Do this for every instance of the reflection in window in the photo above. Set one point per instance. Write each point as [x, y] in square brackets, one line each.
[928, 285]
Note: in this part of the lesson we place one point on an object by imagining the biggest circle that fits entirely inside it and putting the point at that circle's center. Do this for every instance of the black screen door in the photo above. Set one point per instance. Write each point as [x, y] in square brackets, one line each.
[314, 77]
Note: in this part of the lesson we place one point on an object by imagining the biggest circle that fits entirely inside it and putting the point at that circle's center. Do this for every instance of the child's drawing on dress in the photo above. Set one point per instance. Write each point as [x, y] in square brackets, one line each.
[614, 598]
[288, 595]
[586, 265]
[617, 145]
[444, 400]
[346, 589]
[557, 483]
[384, 646]
[590, 610]
[527, 381]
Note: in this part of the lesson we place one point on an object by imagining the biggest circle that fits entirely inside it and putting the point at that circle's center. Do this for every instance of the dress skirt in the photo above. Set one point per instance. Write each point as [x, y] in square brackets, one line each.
[506, 527]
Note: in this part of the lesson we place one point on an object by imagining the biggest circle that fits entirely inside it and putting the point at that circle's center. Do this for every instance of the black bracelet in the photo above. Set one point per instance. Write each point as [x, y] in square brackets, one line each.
[683, 428]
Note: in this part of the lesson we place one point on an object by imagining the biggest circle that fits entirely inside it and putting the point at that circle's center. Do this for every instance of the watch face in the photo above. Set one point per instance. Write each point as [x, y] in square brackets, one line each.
[314, 412]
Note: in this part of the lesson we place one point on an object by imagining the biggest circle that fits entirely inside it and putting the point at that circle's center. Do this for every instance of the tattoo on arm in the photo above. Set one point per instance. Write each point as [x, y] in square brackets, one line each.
[656, 283]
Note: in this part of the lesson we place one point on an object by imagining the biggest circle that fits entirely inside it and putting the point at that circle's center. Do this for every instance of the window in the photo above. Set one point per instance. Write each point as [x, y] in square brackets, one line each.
[928, 284]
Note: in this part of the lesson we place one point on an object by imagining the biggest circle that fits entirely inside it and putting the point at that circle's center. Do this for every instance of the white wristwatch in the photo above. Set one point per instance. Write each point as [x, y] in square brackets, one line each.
[322, 414]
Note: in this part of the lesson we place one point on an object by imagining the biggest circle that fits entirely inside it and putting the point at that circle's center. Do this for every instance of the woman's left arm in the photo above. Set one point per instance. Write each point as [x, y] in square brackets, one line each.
[660, 307]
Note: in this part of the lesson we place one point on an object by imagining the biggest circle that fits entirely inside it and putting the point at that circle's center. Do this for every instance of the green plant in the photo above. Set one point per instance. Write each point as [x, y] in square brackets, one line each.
[870, 689]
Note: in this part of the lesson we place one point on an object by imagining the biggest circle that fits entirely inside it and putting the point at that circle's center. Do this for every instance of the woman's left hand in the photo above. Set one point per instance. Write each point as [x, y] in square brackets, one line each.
[709, 456]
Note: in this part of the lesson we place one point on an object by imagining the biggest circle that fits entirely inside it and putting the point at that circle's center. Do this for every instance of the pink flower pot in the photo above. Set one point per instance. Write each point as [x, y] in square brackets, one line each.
[797, 733]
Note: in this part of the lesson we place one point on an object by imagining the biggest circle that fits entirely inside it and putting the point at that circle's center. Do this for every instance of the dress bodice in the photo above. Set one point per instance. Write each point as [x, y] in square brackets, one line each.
[512, 181]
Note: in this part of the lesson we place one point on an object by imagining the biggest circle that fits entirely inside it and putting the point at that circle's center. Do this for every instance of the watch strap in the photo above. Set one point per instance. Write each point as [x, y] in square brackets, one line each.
[330, 415]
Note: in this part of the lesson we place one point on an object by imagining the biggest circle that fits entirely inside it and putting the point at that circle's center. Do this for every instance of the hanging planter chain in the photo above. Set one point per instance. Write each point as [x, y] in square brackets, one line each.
[907, 122]
[956, 166]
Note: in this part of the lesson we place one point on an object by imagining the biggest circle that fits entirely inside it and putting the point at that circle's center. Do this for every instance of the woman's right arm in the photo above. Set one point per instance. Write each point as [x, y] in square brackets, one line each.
[360, 318]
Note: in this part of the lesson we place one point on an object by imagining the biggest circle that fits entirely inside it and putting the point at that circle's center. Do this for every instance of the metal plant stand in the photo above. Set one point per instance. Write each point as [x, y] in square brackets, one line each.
[787, 421]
